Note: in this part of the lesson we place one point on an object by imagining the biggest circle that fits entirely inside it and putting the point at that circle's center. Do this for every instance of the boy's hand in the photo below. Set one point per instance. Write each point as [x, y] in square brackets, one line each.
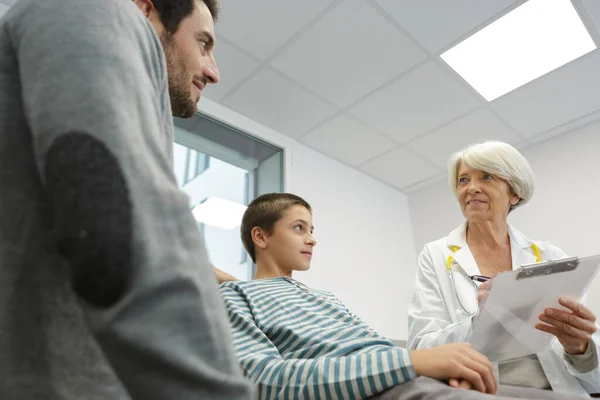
[460, 384]
[456, 362]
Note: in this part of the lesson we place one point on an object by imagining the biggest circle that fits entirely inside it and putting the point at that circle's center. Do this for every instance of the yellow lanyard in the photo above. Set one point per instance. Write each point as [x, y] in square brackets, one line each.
[534, 249]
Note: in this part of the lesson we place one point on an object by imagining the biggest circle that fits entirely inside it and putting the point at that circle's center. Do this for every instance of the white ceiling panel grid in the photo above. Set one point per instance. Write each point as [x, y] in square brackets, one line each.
[415, 104]
[400, 168]
[570, 126]
[348, 53]
[348, 140]
[280, 104]
[234, 67]
[439, 23]
[561, 96]
[261, 26]
[472, 128]
[591, 9]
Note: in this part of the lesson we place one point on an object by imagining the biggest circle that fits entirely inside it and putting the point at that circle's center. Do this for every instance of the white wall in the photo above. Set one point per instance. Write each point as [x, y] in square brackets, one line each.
[366, 252]
[365, 248]
[565, 209]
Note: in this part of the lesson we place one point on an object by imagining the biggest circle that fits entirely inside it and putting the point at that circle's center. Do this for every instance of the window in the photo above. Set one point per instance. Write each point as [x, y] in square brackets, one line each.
[222, 169]
[195, 164]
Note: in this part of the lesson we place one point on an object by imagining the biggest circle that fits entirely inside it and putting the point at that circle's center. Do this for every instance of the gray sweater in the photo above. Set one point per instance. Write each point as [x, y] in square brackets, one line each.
[105, 287]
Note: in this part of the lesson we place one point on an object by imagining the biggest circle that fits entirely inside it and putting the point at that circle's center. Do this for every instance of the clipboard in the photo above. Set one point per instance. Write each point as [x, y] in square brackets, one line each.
[504, 327]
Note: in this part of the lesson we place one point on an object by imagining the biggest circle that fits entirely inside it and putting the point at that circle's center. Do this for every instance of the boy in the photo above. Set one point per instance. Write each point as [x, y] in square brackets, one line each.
[296, 342]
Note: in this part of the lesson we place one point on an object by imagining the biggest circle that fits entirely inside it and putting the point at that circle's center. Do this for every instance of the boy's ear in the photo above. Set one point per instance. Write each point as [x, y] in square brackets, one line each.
[259, 237]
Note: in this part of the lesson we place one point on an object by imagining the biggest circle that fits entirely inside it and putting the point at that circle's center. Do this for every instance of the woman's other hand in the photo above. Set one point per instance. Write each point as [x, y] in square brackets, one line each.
[573, 328]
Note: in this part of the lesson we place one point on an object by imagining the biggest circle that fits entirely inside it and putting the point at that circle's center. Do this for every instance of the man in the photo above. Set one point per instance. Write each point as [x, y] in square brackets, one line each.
[295, 342]
[105, 287]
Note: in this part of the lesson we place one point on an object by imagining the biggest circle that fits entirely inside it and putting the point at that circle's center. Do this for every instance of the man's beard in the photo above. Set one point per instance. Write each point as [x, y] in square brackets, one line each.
[181, 103]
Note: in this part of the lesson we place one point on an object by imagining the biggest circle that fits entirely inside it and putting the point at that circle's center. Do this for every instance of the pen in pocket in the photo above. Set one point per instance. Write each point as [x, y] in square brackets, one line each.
[480, 278]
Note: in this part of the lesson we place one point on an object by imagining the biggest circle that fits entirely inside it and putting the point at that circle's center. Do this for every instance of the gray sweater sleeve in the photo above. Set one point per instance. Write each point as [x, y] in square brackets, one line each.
[95, 97]
[585, 362]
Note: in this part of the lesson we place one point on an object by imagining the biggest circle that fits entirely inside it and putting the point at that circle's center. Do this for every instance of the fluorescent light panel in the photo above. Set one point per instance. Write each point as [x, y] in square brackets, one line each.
[220, 213]
[530, 41]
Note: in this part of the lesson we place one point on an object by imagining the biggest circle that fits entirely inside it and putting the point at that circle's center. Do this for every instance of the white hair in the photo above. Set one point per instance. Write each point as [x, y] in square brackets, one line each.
[499, 159]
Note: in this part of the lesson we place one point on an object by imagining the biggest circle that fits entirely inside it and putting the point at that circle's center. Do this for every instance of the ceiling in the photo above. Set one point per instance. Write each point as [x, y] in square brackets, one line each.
[361, 81]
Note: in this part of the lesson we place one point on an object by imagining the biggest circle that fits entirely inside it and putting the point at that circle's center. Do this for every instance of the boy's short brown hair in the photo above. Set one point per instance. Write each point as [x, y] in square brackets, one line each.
[264, 212]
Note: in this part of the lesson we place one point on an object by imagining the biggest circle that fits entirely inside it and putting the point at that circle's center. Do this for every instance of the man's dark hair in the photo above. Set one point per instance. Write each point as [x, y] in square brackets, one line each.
[264, 212]
[172, 12]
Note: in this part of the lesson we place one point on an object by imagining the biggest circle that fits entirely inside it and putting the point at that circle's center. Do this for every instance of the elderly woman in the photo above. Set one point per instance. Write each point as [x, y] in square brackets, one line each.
[490, 180]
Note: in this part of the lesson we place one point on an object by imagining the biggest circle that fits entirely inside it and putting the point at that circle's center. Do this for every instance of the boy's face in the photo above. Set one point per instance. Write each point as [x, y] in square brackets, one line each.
[291, 243]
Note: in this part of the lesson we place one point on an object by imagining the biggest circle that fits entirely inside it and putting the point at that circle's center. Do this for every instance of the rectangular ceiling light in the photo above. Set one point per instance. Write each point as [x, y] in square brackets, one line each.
[528, 42]
[220, 213]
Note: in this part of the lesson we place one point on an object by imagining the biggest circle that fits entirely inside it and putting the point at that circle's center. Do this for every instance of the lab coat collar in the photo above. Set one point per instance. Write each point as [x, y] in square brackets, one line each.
[520, 248]
[463, 255]
[518, 238]
[458, 237]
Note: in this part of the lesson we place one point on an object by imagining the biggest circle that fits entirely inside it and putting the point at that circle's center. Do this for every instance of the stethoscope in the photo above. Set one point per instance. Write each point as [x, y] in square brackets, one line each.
[465, 288]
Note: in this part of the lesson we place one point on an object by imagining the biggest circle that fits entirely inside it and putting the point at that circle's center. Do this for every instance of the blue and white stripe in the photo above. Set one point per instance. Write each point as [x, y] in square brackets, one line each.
[298, 343]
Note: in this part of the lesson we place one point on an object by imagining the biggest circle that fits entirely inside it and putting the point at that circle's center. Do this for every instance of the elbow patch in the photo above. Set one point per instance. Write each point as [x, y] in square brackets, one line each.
[92, 216]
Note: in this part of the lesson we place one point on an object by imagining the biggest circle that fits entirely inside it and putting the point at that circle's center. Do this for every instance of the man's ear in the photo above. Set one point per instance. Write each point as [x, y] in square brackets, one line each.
[145, 6]
[259, 237]
[149, 11]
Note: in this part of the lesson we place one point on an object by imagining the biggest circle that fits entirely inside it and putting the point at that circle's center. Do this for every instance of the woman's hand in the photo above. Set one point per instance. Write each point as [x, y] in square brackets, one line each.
[483, 290]
[574, 328]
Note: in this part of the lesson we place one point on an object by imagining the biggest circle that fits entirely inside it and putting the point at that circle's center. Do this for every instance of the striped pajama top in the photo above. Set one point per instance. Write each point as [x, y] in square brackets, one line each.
[297, 343]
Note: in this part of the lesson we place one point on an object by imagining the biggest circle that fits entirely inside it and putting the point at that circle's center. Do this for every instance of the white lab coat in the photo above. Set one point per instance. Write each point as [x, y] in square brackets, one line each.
[436, 317]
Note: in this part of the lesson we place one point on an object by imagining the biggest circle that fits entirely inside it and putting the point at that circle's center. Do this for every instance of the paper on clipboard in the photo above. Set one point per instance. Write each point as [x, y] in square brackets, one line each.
[504, 328]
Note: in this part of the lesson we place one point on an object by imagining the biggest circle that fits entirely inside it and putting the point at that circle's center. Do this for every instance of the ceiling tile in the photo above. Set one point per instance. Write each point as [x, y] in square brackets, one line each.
[593, 9]
[342, 62]
[400, 168]
[439, 23]
[475, 127]
[262, 26]
[279, 103]
[234, 66]
[571, 126]
[416, 103]
[554, 99]
[348, 140]
[442, 176]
